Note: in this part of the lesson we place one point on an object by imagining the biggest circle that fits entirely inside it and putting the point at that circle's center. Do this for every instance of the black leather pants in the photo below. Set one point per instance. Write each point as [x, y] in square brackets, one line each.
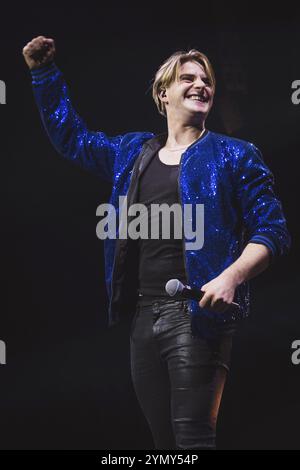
[178, 379]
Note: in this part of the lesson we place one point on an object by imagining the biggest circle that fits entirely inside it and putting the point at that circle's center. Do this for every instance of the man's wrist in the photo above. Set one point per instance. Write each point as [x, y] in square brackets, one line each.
[44, 73]
[234, 275]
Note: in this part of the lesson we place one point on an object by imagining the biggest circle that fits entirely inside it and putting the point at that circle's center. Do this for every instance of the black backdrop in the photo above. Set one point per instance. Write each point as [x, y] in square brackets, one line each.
[66, 384]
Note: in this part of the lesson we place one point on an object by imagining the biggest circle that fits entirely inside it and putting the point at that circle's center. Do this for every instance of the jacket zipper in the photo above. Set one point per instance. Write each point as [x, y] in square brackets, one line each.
[180, 200]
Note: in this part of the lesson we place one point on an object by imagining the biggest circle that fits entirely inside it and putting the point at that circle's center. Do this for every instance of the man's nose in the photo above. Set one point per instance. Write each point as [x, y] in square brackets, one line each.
[199, 83]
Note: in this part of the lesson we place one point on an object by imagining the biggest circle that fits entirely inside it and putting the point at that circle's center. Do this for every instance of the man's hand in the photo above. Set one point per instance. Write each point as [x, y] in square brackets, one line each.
[39, 51]
[219, 293]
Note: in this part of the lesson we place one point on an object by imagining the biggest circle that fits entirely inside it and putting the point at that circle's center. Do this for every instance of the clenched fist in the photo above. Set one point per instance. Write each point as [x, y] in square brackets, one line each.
[39, 51]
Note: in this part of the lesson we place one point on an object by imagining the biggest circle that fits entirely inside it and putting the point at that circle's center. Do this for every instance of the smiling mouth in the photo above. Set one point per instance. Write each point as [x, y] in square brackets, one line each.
[202, 99]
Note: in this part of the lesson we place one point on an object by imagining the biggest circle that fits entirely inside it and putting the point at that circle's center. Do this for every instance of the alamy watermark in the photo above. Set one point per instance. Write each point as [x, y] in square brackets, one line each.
[2, 92]
[296, 94]
[295, 358]
[2, 352]
[188, 222]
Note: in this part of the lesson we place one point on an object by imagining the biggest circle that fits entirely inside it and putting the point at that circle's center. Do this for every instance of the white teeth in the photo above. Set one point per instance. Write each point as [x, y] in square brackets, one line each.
[196, 97]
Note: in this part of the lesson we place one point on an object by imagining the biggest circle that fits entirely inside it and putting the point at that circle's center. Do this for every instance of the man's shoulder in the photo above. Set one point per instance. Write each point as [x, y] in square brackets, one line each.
[241, 153]
[231, 143]
[136, 138]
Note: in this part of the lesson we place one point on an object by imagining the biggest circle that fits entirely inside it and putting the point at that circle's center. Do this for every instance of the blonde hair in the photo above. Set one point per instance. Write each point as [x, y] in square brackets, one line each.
[168, 73]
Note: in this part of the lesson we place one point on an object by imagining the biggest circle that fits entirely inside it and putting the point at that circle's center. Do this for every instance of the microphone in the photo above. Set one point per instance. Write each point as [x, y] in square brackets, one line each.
[174, 286]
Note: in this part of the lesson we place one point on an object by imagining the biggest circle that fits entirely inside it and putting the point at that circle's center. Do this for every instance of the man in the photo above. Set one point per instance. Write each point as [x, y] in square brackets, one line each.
[180, 350]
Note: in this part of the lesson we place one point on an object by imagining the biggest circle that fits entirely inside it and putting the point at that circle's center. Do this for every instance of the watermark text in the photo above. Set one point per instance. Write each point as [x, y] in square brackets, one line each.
[156, 221]
[296, 94]
[2, 352]
[2, 92]
[295, 358]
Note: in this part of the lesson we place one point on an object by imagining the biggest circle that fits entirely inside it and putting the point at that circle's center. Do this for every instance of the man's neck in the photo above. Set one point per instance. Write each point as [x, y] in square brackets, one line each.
[181, 134]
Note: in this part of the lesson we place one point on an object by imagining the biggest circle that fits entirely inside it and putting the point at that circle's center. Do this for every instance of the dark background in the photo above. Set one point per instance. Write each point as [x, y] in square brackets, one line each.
[66, 384]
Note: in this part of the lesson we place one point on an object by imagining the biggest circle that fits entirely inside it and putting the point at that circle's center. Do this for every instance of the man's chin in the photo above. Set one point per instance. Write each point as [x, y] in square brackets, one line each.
[200, 111]
[198, 107]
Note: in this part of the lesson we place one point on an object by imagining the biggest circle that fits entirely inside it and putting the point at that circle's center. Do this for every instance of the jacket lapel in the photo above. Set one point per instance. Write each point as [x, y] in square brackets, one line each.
[150, 148]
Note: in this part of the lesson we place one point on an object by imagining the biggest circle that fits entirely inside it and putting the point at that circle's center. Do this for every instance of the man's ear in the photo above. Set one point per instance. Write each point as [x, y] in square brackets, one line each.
[162, 93]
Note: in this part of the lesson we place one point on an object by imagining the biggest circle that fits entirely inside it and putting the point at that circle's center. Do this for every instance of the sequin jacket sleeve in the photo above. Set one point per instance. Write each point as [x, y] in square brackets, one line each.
[93, 151]
[262, 212]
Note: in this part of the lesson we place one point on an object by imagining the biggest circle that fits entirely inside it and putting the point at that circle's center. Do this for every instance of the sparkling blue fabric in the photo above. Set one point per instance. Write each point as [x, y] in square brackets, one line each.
[227, 175]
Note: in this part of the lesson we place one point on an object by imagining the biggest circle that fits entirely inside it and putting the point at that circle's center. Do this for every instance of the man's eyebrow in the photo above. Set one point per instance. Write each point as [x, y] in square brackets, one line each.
[186, 75]
[190, 75]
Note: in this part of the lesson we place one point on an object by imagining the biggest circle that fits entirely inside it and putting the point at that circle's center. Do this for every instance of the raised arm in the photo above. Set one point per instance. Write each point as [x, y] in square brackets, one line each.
[93, 151]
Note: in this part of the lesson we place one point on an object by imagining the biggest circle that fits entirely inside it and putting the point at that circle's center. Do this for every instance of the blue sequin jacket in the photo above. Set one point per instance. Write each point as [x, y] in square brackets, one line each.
[225, 174]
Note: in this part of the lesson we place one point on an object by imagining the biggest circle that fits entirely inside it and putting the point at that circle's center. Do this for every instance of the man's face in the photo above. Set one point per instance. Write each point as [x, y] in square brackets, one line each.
[191, 95]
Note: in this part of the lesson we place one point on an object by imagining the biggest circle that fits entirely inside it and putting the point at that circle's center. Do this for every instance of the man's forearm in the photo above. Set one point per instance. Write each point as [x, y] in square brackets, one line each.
[254, 260]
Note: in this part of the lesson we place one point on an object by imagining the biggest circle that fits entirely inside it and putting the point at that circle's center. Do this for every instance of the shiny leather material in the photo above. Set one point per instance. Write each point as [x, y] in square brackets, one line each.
[178, 379]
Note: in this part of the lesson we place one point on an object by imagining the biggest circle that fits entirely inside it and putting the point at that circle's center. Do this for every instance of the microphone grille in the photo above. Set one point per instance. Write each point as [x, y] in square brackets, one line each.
[173, 286]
